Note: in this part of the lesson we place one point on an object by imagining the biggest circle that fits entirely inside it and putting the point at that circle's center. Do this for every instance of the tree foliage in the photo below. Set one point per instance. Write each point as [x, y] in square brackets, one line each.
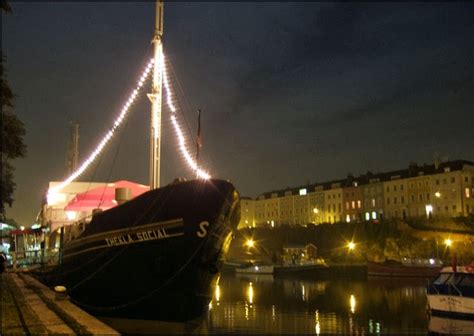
[13, 131]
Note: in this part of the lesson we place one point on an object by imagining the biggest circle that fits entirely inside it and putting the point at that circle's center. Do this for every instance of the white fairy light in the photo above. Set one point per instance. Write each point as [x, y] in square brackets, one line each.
[53, 191]
[181, 140]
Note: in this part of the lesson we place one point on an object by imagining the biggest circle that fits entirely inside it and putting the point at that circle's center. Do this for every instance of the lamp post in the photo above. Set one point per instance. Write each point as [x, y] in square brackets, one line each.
[351, 246]
[250, 243]
[316, 215]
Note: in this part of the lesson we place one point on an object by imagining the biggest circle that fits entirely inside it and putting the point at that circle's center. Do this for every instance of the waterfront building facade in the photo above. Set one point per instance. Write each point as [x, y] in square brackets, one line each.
[373, 198]
[353, 200]
[396, 196]
[247, 210]
[333, 200]
[429, 191]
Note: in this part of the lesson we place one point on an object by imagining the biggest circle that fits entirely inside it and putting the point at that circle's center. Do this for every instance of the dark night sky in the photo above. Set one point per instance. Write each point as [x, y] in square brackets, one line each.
[291, 92]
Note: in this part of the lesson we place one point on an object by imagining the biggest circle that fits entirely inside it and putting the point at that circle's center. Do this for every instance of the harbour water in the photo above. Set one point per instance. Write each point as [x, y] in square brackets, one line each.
[271, 305]
[264, 304]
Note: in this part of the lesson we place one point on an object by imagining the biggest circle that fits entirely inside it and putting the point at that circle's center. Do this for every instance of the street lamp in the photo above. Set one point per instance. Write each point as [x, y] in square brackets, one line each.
[448, 242]
[250, 243]
[437, 194]
[351, 246]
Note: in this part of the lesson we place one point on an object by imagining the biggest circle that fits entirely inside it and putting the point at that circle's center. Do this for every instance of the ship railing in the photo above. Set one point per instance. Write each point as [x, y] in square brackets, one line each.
[433, 287]
[457, 289]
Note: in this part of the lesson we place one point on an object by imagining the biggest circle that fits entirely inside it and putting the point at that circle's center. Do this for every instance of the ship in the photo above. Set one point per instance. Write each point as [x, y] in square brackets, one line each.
[156, 256]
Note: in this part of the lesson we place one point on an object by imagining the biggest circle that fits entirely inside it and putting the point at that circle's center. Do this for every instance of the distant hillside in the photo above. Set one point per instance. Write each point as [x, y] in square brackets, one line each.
[374, 241]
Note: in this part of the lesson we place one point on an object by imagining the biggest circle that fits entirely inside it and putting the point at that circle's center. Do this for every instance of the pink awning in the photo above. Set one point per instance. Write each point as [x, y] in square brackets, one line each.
[103, 197]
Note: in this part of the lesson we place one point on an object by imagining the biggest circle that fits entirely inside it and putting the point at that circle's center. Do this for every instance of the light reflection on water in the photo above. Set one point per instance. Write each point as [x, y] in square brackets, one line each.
[268, 305]
[251, 304]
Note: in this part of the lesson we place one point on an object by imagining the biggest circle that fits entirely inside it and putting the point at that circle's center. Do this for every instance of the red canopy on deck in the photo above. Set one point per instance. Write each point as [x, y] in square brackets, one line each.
[103, 197]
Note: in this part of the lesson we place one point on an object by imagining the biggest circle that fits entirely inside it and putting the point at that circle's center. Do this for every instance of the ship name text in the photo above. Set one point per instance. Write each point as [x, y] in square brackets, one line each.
[137, 237]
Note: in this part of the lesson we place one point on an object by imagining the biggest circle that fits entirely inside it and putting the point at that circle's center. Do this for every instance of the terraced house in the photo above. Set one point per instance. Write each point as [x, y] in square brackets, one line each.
[442, 189]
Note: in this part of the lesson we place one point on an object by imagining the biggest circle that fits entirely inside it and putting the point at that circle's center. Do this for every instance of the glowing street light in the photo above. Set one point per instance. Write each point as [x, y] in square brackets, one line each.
[437, 194]
[250, 243]
[352, 302]
[315, 210]
[448, 242]
[351, 246]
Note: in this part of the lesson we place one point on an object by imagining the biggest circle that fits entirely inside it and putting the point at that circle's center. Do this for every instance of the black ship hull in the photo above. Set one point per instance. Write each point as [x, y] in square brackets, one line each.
[155, 257]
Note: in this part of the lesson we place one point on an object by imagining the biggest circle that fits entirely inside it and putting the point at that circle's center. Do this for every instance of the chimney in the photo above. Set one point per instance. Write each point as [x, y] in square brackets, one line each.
[122, 195]
[412, 168]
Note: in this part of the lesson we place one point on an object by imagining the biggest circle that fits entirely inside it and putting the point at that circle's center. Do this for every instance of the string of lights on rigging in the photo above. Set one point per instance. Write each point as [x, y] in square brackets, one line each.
[53, 192]
[181, 140]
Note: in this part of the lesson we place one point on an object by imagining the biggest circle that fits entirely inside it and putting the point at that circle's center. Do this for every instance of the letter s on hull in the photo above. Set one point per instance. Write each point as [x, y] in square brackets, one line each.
[202, 229]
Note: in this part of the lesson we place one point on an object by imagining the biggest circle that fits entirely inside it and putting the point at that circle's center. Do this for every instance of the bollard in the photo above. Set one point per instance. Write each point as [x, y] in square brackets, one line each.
[61, 293]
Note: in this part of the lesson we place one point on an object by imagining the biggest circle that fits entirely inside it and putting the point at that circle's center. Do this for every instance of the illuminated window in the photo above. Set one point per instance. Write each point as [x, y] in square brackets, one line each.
[374, 215]
[373, 202]
[367, 216]
[302, 192]
[429, 209]
[348, 218]
[353, 204]
[467, 192]
[358, 204]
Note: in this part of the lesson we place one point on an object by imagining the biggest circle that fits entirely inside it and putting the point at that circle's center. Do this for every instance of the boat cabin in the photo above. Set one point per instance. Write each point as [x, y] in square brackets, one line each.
[299, 254]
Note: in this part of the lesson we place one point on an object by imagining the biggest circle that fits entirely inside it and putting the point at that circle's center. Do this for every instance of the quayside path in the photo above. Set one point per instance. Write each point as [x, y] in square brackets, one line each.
[30, 308]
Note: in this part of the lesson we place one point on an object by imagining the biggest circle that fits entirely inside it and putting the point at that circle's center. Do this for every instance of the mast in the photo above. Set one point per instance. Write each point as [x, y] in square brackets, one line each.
[72, 157]
[155, 98]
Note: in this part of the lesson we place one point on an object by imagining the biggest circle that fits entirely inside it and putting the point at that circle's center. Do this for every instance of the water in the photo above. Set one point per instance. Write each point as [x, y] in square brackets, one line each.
[249, 304]
[256, 304]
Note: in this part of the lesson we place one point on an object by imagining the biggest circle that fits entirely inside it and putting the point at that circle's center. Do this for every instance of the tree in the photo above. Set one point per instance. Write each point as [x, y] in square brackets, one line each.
[13, 131]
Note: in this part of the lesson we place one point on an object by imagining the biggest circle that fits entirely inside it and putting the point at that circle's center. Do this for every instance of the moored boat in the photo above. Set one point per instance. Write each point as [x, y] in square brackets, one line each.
[452, 292]
[254, 268]
[422, 268]
[301, 269]
[154, 257]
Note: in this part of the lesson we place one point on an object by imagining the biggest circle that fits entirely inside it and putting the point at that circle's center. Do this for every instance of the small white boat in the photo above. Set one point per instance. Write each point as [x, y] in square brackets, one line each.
[255, 269]
[452, 292]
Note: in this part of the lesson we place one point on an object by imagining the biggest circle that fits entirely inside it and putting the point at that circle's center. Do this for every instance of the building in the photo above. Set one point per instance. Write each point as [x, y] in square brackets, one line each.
[430, 191]
[247, 211]
[333, 200]
[396, 195]
[353, 200]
